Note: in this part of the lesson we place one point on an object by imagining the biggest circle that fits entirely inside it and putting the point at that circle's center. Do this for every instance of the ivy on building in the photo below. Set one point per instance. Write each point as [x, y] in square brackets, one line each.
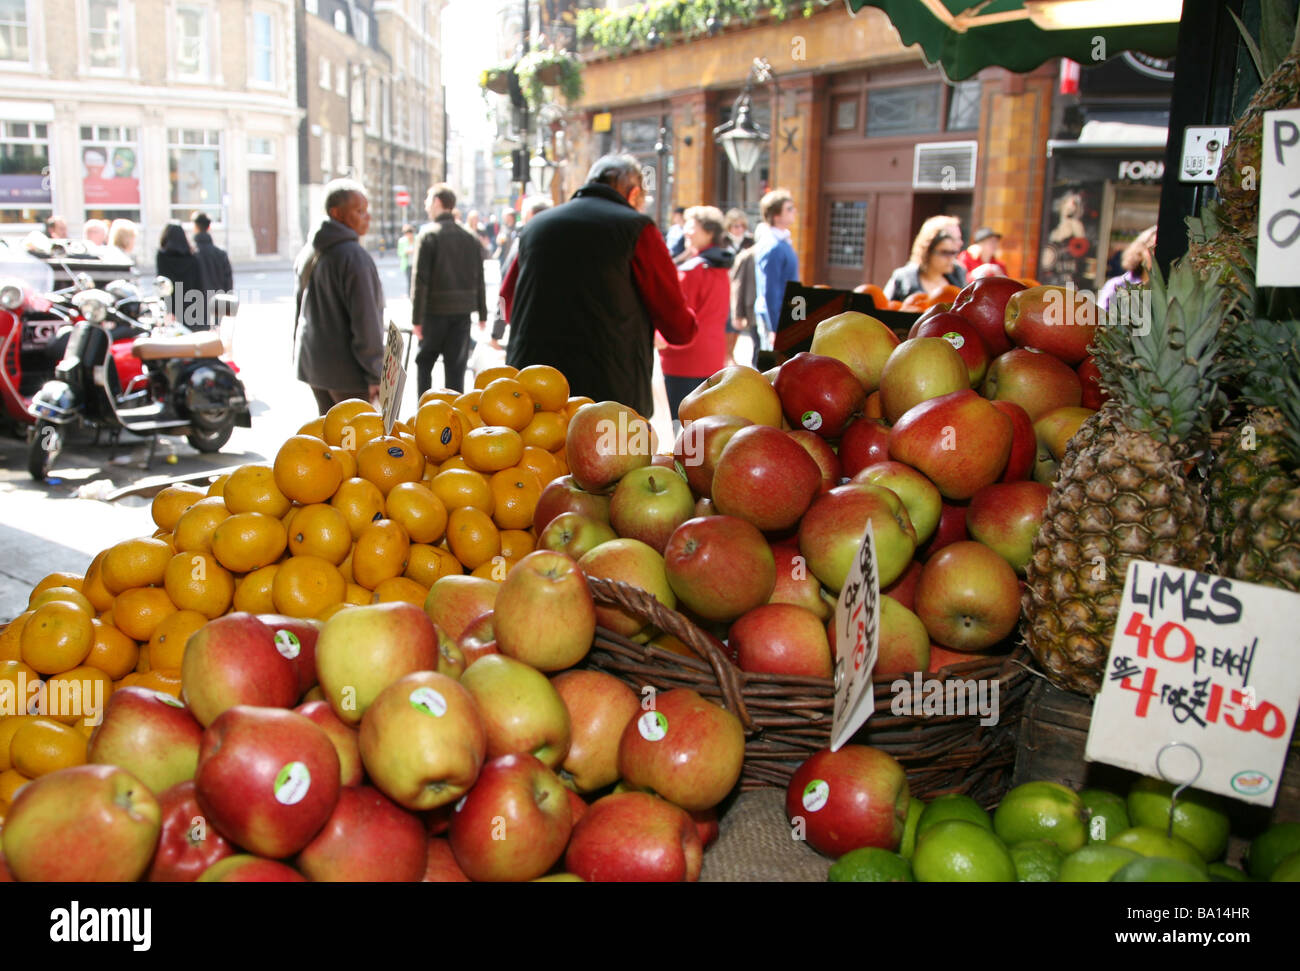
[648, 25]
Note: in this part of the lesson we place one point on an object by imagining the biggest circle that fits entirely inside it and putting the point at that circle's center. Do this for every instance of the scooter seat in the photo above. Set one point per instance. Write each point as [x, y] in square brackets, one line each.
[200, 344]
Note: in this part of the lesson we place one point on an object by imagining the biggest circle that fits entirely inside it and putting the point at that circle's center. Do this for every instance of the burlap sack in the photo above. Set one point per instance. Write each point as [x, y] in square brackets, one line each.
[755, 845]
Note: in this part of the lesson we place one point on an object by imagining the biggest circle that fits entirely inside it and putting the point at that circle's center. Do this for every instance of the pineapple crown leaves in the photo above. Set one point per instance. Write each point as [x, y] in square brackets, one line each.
[1266, 355]
[1162, 366]
[1279, 30]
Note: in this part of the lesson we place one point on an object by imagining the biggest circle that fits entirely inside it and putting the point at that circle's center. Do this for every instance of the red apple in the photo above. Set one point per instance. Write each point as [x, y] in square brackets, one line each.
[544, 614]
[904, 642]
[267, 779]
[635, 837]
[736, 390]
[959, 441]
[968, 597]
[295, 637]
[686, 749]
[456, 600]
[918, 493]
[849, 799]
[367, 839]
[819, 393]
[830, 536]
[89, 823]
[764, 476]
[796, 584]
[233, 660]
[1094, 395]
[573, 534]
[984, 303]
[706, 823]
[479, 639]
[965, 339]
[952, 529]
[904, 588]
[577, 805]
[1060, 321]
[564, 495]
[599, 706]
[941, 657]
[1036, 381]
[605, 441]
[1055, 429]
[344, 737]
[150, 734]
[1005, 517]
[634, 562]
[720, 566]
[188, 845]
[920, 369]
[246, 868]
[442, 866]
[520, 709]
[514, 824]
[865, 442]
[782, 639]
[1024, 444]
[860, 341]
[698, 446]
[648, 504]
[823, 454]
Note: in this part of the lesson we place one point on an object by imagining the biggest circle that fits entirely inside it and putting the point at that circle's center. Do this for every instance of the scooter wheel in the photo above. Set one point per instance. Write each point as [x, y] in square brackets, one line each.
[44, 448]
[210, 439]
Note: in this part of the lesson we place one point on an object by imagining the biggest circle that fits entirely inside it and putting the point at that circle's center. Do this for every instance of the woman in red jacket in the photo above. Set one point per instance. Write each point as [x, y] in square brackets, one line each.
[706, 285]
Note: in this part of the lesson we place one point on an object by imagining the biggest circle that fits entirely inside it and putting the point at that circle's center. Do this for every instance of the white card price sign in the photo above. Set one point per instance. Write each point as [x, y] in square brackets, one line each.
[857, 639]
[392, 382]
[1203, 662]
[1279, 201]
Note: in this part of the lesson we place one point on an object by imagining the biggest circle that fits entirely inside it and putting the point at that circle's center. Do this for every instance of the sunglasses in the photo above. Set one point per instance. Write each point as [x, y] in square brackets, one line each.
[946, 252]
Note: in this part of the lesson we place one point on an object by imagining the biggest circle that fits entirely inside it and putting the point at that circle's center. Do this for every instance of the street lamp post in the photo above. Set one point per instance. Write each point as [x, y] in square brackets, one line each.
[742, 138]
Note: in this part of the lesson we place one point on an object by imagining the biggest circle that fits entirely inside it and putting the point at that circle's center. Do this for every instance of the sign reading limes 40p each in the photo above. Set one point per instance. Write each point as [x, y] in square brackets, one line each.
[1206, 662]
[392, 382]
[857, 639]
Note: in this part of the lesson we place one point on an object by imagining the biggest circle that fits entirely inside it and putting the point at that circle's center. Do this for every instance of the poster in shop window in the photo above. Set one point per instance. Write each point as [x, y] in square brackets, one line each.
[108, 175]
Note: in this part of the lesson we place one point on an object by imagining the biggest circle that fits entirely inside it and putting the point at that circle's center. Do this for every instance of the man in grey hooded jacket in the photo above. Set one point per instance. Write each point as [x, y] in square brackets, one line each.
[339, 339]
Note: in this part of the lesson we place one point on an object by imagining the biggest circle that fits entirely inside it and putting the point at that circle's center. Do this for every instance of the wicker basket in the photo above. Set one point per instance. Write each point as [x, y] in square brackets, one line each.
[786, 718]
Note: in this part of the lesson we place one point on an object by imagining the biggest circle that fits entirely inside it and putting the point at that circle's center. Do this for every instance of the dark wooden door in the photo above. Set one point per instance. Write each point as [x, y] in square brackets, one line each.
[891, 239]
[262, 212]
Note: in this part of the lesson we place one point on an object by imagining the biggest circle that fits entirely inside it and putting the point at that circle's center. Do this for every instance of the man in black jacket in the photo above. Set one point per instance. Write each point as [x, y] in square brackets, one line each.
[590, 285]
[446, 287]
[214, 266]
[339, 304]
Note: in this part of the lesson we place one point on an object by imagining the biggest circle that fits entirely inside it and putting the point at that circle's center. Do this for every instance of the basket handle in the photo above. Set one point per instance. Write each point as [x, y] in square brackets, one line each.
[639, 603]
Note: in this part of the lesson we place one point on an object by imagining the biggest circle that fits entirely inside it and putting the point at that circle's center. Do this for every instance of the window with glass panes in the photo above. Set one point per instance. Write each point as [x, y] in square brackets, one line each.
[24, 172]
[194, 168]
[191, 41]
[110, 172]
[964, 105]
[263, 56]
[848, 233]
[104, 34]
[13, 31]
[908, 109]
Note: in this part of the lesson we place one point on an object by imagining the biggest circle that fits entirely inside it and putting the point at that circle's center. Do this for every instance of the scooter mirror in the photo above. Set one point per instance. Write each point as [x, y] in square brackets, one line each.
[83, 281]
[163, 286]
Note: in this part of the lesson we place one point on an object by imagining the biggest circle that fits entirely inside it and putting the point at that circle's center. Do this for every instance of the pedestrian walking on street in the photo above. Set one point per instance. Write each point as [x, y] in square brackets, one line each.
[214, 265]
[531, 206]
[775, 262]
[447, 286]
[177, 262]
[405, 244]
[339, 303]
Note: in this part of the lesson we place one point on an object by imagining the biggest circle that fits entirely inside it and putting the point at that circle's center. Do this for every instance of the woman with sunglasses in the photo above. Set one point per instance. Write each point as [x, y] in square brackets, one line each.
[933, 263]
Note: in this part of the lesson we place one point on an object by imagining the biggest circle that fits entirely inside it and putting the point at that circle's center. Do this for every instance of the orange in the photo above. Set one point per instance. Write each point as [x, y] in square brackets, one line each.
[547, 385]
[514, 497]
[541, 463]
[574, 403]
[166, 536]
[167, 645]
[467, 405]
[400, 589]
[339, 415]
[360, 502]
[11, 638]
[305, 586]
[457, 488]
[455, 462]
[561, 458]
[495, 569]
[345, 567]
[196, 581]
[315, 428]
[142, 661]
[438, 394]
[916, 303]
[253, 593]
[248, 540]
[506, 402]
[947, 294]
[357, 596]
[380, 553]
[93, 585]
[135, 563]
[136, 612]
[42, 746]
[388, 460]
[252, 488]
[325, 615]
[20, 677]
[546, 430]
[876, 294]
[11, 780]
[306, 470]
[193, 533]
[439, 429]
[63, 595]
[517, 543]
[320, 530]
[472, 536]
[361, 429]
[218, 485]
[425, 564]
[160, 680]
[492, 448]
[171, 502]
[73, 580]
[72, 698]
[112, 651]
[487, 376]
[8, 725]
[347, 459]
[56, 637]
[417, 510]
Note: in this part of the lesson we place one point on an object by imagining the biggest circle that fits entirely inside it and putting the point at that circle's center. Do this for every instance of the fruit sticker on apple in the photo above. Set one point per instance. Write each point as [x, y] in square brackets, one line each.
[857, 622]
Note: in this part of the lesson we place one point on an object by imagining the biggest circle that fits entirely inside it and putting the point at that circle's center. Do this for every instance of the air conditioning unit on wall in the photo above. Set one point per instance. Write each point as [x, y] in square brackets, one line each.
[944, 166]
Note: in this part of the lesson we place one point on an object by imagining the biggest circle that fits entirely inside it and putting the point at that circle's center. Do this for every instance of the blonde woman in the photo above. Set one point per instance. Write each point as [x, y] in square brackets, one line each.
[122, 234]
[933, 263]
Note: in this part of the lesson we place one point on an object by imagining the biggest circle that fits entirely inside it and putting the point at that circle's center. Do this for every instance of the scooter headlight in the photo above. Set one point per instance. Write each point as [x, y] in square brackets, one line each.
[94, 310]
[11, 295]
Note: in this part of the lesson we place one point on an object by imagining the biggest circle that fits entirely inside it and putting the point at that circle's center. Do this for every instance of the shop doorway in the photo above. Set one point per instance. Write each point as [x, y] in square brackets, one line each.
[263, 209]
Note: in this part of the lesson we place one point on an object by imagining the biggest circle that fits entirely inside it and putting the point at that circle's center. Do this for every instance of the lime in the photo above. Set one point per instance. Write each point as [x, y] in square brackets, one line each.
[1095, 863]
[1222, 873]
[1159, 869]
[1149, 841]
[1271, 847]
[1199, 817]
[956, 851]
[1288, 871]
[1037, 861]
[870, 864]
[1042, 811]
[952, 806]
[1107, 814]
[914, 809]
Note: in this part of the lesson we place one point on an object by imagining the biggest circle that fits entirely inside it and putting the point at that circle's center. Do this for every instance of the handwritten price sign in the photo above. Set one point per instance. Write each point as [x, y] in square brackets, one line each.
[1279, 201]
[857, 636]
[392, 382]
[1208, 662]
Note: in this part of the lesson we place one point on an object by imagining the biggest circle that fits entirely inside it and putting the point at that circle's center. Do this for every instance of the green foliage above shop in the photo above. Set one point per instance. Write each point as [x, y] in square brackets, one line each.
[648, 25]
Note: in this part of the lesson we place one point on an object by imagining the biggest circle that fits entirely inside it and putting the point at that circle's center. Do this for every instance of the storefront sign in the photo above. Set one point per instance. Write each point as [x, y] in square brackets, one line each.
[1207, 665]
[108, 176]
[1279, 201]
[1141, 170]
[857, 640]
[20, 191]
[602, 122]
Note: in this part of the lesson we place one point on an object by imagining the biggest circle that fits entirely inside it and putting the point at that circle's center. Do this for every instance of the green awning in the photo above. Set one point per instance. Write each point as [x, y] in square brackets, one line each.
[964, 36]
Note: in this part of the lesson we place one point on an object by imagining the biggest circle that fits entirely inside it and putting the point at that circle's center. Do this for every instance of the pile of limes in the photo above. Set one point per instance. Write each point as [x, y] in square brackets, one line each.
[1045, 832]
[344, 515]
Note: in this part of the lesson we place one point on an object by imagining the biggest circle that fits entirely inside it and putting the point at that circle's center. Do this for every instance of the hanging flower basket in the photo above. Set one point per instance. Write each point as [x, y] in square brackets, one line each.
[496, 80]
[538, 70]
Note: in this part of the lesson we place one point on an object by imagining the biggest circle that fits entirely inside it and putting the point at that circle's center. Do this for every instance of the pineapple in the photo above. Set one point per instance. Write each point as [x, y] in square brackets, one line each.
[1125, 488]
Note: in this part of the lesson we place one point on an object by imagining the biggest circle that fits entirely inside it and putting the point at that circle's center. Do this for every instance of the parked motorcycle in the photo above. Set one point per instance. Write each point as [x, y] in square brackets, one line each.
[183, 387]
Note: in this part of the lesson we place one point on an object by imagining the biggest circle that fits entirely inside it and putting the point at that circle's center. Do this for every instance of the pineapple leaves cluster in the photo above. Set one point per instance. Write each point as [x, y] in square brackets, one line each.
[1266, 355]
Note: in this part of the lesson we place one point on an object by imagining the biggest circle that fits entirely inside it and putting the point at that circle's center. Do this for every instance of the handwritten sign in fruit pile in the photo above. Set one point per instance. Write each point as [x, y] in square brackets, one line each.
[392, 381]
[857, 638]
[1205, 662]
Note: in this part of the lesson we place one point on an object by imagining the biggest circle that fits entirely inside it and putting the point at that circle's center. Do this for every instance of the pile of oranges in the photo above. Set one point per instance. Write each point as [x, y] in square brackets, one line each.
[344, 515]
